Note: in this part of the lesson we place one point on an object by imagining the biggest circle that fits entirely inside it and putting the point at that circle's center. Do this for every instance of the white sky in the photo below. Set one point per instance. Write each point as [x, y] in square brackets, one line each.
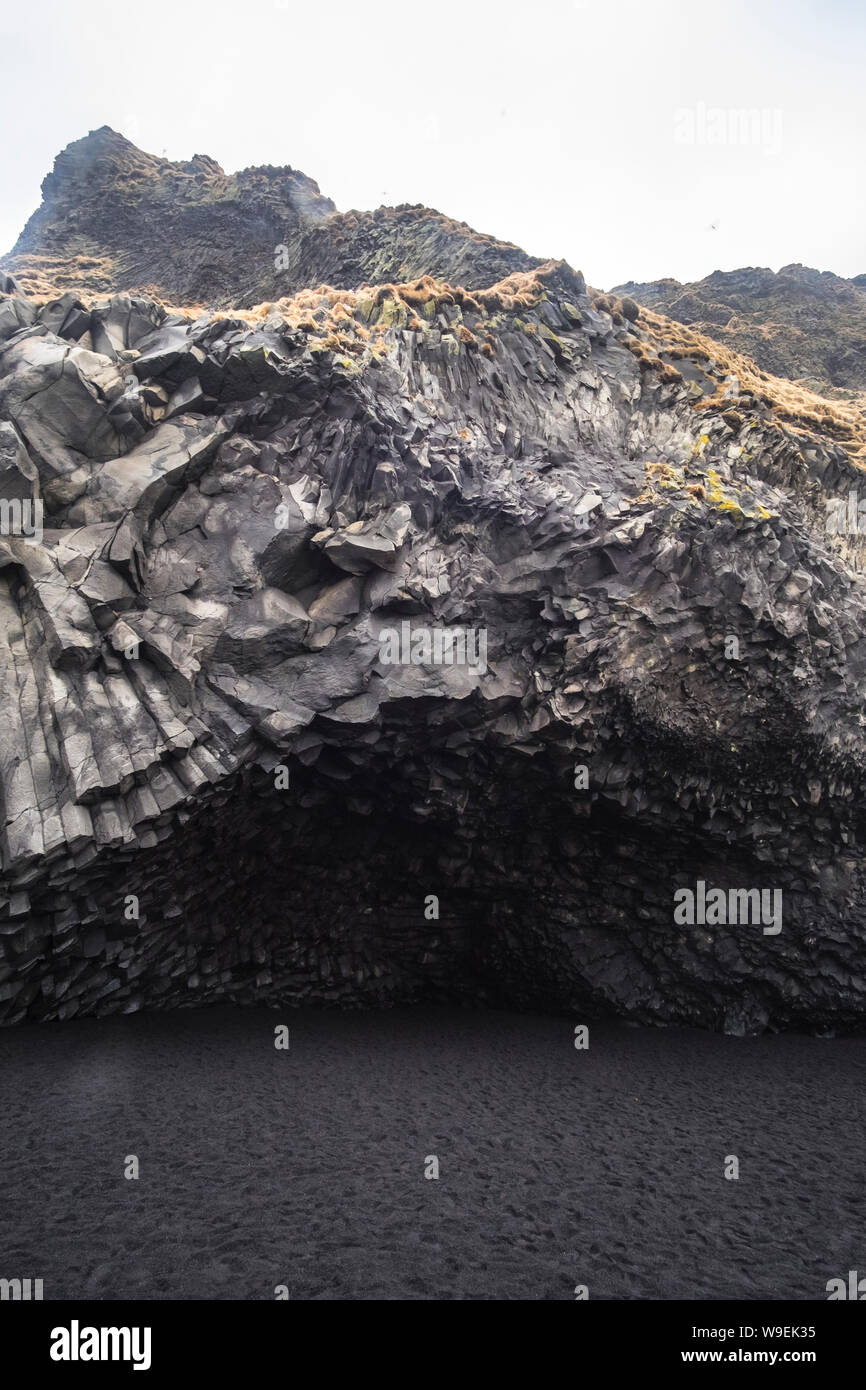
[552, 124]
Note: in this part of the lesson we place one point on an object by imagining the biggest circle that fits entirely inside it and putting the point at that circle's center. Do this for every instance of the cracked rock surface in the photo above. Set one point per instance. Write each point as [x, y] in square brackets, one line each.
[115, 218]
[215, 786]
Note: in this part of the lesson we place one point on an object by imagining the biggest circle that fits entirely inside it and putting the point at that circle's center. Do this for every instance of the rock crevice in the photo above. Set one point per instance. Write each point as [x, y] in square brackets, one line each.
[220, 782]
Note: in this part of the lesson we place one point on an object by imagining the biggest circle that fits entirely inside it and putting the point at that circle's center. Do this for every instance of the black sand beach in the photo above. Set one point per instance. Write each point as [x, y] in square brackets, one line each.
[305, 1167]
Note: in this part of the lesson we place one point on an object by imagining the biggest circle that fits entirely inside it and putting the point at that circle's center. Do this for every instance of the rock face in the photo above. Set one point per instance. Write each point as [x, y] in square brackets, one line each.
[412, 642]
[114, 218]
[806, 324]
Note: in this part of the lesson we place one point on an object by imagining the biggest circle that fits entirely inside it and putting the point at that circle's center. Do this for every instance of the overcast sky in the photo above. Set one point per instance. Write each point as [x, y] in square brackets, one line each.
[608, 132]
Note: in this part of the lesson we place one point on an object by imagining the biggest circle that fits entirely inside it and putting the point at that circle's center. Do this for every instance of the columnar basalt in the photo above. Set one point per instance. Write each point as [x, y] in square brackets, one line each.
[214, 786]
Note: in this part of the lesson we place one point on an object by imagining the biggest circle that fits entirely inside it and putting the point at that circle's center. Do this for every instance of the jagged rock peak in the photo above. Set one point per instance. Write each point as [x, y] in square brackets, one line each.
[226, 770]
[115, 218]
[797, 322]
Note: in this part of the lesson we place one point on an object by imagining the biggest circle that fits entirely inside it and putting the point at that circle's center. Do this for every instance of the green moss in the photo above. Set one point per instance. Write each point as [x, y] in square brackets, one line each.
[716, 495]
[364, 309]
[727, 504]
[393, 314]
[550, 337]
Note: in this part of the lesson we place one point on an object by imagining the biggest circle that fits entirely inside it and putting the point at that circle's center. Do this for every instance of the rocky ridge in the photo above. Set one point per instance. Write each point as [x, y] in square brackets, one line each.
[215, 786]
[114, 218]
[805, 324]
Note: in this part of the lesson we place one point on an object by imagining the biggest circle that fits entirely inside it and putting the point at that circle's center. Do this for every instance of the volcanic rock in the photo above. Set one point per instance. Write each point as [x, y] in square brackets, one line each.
[216, 782]
[806, 324]
[114, 218]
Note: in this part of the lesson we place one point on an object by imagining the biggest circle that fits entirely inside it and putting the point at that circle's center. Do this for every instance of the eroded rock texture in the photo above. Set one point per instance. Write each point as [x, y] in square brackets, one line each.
[115, 218]
[238, 507]
[797, 322]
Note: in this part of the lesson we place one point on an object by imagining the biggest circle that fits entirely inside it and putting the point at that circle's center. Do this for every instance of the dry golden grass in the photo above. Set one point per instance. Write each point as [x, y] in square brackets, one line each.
[658, 342]
[337, 319]
[357, 322]
[43, 278]
[790, 403]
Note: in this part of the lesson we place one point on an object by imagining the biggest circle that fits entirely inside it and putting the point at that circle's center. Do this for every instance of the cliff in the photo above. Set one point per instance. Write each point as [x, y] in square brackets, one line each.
[114, 218]
[236, 760]
[805, 324]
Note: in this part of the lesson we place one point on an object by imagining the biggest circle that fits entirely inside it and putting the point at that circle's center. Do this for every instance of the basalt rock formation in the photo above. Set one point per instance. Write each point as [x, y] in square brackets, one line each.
[806, 324]
[220, 782]
[114, 218]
